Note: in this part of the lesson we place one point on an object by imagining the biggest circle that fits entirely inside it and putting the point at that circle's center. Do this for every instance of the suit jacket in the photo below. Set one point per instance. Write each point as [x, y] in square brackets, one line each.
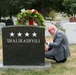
[60, 46]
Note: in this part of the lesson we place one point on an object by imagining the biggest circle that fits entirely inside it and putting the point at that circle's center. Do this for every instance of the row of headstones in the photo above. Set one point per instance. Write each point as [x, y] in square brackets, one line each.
[8, 22]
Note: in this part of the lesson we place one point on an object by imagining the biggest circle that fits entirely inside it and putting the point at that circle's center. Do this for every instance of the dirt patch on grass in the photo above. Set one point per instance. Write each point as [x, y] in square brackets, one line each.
[73, 54]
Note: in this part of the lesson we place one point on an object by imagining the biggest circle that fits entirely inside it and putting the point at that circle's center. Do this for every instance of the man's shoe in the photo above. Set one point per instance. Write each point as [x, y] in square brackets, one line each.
[61, 61]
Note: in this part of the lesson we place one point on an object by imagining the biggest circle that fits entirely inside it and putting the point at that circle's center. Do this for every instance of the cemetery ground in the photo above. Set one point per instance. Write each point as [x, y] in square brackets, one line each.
[67, 68]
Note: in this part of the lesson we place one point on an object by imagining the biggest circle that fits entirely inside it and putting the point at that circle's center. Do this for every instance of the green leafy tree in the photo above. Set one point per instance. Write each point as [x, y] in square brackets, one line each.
[7, 8]
[12, 7]
[70, 6]
[3, 8]
[52, 14]
[45, 6]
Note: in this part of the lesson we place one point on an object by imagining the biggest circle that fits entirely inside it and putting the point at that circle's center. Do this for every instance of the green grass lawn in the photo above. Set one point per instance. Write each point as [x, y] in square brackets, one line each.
[67, 68]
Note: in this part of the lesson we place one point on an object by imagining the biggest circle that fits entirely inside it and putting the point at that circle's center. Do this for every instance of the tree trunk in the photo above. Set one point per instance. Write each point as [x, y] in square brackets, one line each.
[0, 17]
[11, 16]
[43, 9]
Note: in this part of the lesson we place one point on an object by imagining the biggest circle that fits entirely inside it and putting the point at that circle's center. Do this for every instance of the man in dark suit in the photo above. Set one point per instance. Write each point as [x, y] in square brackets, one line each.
[57, 50]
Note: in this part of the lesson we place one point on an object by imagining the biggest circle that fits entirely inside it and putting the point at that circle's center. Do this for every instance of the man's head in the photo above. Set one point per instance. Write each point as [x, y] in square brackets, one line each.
[52, 29]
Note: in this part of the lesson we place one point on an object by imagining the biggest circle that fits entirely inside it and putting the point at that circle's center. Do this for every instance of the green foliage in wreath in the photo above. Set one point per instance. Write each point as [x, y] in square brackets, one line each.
[27, 15]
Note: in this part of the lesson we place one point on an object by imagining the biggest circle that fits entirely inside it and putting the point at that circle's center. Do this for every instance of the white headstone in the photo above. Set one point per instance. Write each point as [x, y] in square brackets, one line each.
[70, 30]
[63, 22]
[47, 23]
[1, 25]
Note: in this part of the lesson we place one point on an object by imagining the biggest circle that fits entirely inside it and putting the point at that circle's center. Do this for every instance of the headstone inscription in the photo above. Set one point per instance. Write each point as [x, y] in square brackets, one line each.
[23, 45]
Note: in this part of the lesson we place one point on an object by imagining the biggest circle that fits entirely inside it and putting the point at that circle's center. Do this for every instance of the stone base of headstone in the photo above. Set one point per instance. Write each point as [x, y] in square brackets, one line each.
[47, 66]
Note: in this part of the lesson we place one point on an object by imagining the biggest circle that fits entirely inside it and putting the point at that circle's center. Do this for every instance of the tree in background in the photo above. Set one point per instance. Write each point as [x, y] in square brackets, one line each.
[3, 8]
[12, 7]
[7, 8]
[45, 6]
[70, 7]
[52, 14]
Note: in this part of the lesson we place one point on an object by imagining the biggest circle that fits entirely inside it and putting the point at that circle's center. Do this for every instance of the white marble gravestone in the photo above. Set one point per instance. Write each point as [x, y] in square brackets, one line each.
[70, 30]
[1, 26]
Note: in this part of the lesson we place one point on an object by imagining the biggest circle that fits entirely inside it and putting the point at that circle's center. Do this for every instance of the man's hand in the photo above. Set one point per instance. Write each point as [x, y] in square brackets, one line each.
[46, 48]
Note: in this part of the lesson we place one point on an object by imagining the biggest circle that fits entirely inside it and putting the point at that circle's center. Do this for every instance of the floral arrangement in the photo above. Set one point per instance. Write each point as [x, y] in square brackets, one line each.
[30, 16]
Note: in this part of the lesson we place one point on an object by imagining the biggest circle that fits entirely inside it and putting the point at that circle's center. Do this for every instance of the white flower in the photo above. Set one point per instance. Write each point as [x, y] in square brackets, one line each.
[23, 10]
[33, 10]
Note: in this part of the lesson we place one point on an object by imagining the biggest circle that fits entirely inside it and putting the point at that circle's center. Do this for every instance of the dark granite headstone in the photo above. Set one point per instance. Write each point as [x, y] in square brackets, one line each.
[9, 22]
[23, 45]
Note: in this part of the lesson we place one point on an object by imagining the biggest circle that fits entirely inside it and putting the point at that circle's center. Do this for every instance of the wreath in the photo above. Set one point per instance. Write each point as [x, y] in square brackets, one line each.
[30, 16]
